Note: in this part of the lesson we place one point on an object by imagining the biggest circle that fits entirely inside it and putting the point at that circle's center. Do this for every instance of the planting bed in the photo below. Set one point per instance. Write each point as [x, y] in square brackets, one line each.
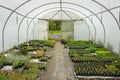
[25, 62]
[92, 61]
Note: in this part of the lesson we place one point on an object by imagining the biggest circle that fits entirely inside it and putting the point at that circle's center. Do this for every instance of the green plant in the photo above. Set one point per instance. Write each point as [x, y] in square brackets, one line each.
[100, 49]
[43, 59]
[16, 64]
[92, 49]
[116, 63]
[3, 76]
[41, 66]
[54, 31]
[30, 48]
[103, 52]
[23, 51]
[73, 53]
[111, 67]
[29, 65]
[15, 75]
[2, 62]
[31, 74]
[10, 59]
[19, 61]
[16, 47]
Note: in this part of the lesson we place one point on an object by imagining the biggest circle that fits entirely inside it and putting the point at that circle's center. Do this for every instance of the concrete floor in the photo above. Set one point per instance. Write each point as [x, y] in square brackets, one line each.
[59, 67]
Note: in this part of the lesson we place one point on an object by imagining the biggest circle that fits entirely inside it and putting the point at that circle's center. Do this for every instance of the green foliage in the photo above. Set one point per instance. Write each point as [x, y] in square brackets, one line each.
[49, 43]
[29, 65]
[73, 53]
[116, 63]
[111, 67]
[54, 25]
[92, 49]
[10, 58]
[3, 76]
[16, 60]
[17, 64]
[87, 55]
[2, 61]
[23, 51]
[103, 52]
[104, 63]
[79, 44]
[97, 68]
[29, 48]
[54, 31]
[43, 59]
[100, 49]
[16, 47]
[19, 61]
[42, 66]
[41, 43]
[31, 74]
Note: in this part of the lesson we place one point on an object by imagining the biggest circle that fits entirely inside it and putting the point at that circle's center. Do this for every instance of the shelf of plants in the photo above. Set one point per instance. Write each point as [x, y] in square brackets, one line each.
[93, 61]
[27, 61]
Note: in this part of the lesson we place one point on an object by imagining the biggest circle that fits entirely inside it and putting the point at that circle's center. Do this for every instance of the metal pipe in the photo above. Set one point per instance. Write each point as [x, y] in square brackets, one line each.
[68, 15]
[37, 18]
[109, 12]
[14, 11]
[3, 30]
[55, 14]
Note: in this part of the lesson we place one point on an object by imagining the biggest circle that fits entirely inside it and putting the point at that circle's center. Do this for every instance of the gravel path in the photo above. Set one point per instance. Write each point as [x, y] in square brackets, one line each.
[59, 67]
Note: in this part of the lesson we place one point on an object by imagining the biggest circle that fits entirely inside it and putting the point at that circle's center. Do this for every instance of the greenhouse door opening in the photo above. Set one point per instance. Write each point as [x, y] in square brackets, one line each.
[61, 29]
[54, 29]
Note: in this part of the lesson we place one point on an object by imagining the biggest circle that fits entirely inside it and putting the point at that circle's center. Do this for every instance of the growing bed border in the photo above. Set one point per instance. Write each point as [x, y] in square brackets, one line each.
[98, 77]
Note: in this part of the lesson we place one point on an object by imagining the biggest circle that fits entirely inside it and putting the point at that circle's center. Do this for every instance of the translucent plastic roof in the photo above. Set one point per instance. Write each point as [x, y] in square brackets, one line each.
[61, 15]
[102, 16]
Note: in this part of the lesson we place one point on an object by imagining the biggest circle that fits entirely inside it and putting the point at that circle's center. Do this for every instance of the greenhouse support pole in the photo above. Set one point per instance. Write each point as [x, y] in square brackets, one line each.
[55, 14]
[33, 30]
[109, 12]
[68, 15]
[27, 29]
[14, 11]
[61, 5]
[3, 30]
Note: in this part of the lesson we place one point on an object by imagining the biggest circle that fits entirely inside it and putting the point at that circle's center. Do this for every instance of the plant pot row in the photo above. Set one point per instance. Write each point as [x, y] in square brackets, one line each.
[94, 69]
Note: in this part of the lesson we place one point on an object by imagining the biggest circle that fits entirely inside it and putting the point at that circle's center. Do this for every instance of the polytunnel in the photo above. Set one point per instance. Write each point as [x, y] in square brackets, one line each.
[25, 21]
